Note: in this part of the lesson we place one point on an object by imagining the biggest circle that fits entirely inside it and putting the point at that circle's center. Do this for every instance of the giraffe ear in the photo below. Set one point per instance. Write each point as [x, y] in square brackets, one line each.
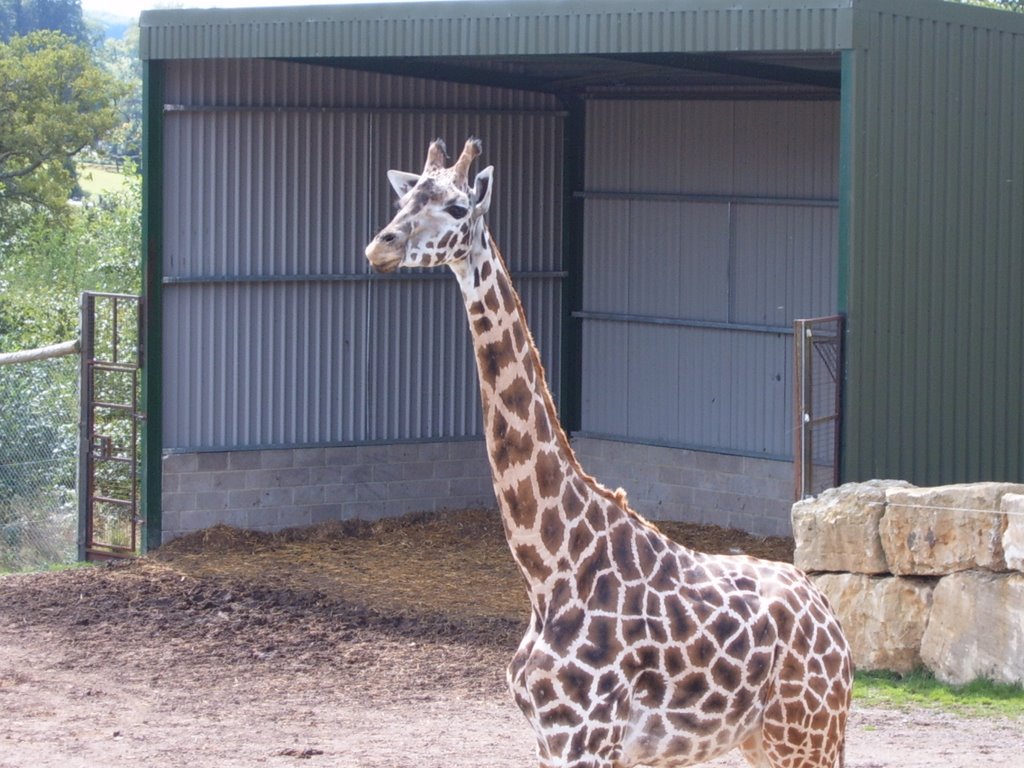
[402, 182]
[481, 194]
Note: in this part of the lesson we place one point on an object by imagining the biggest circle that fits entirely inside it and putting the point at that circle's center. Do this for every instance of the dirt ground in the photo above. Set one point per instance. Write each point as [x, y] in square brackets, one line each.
[365, 645]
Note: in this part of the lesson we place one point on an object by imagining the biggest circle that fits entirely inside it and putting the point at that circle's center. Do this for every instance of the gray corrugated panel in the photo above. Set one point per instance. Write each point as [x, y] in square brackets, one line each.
[605, 240]
[247, 365]
[699, 388]
[489, 28]
[937, 232]
[678, 265]
[699, 224]
[785, 263]
[743, 148]
[275, 332]
[666, 258]
[787, 149]
[606, 378]
[234, 169]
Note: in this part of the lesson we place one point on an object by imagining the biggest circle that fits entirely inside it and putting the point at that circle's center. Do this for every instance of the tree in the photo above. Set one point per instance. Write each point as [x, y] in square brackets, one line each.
[120, 57]
[8, 19]
[19, 17]
[54, 101]
[1003, 5]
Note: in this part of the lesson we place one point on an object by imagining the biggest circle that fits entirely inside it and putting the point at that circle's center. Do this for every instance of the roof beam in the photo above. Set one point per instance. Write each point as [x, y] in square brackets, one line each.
[602, 76]
[435, 69]
[754, 70]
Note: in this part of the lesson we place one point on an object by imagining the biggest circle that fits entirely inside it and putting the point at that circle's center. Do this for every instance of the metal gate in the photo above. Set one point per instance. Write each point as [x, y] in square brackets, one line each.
[108, 455]
[819, 370]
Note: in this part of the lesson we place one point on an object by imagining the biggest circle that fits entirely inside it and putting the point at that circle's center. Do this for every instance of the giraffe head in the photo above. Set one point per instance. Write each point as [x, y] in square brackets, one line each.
[440, 215]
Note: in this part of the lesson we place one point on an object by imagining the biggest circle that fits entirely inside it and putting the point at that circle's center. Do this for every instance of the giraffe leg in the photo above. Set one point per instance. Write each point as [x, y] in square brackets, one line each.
[753, 752]
[795, 736]
[589, 762]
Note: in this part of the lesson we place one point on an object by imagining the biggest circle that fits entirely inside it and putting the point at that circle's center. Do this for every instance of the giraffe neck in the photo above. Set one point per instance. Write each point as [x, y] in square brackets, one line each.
[542, 492]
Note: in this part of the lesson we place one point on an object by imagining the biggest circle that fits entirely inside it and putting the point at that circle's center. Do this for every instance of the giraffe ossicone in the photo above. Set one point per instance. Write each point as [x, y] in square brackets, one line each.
[639, 650]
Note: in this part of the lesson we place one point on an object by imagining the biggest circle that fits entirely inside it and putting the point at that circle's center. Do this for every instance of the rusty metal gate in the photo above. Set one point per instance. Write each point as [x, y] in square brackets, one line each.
[819, 370]
[108, 454]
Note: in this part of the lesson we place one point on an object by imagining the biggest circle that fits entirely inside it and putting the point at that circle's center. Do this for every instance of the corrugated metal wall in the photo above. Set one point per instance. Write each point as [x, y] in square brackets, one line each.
[527, 27]
[275, 333]
[936, 250]
[710, 226]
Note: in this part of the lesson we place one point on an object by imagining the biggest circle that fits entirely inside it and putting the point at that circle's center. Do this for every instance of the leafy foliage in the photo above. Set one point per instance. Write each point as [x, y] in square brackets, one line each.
[44, 269]
[1003, 5]
[121, 59]
[54, 101]
[19, 17]
[57, 97]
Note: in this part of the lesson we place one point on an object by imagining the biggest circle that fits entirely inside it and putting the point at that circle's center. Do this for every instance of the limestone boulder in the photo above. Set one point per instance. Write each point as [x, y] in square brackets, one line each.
[949, 528]
[838, 530]
[976, 628]
[884, 617]
[1013, 536]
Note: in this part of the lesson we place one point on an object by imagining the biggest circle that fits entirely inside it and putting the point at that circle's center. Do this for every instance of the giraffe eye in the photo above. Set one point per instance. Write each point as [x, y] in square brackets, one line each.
[456, 211]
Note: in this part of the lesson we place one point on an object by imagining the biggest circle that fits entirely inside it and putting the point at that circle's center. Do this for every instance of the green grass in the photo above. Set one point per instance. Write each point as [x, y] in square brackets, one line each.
[96, 180]
[981, 698]
[52, 568]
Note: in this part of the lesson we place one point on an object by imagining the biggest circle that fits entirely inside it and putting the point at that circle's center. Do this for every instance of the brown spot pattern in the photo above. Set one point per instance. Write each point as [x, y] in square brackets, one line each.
[549, 474]
[517, 398]
[494, 357]
[506, 292]
[521, 503]
[552, 529]
[491, 300]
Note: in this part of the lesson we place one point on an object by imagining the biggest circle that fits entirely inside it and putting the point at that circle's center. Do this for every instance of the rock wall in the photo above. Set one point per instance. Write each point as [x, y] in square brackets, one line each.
[928, 577]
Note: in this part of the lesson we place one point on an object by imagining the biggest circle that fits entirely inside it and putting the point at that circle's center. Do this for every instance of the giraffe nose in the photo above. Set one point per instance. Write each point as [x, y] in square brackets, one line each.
[385, 251]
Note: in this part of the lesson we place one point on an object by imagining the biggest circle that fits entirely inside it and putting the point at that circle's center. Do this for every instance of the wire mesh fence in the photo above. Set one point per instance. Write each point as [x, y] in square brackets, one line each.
[819, 363]
[38, 448]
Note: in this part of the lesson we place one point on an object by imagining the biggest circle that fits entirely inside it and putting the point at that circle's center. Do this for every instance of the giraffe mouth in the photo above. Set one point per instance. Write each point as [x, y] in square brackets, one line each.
[385, 267]
[383, 260]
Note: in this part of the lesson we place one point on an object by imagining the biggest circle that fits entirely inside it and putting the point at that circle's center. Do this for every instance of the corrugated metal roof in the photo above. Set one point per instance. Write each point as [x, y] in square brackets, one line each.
[488, 28]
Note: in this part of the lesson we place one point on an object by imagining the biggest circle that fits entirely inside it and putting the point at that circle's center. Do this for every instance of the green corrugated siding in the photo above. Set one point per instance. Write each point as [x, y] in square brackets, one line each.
[152, 306]
[936, 250]
[496, 28]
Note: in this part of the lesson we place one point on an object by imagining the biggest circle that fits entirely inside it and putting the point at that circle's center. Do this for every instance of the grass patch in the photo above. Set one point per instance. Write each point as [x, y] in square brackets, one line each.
[96, 180]
[52, 568]
[981, 698]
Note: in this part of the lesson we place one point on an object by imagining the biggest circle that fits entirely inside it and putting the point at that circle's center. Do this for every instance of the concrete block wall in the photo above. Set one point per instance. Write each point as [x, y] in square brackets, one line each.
[675, 484]
[269, 490]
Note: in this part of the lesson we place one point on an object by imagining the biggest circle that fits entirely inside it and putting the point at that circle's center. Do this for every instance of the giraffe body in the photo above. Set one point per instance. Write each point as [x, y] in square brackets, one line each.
[639, 650]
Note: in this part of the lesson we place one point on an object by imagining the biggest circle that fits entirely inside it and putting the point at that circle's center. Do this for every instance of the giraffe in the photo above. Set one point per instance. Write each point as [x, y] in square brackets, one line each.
[639, 651]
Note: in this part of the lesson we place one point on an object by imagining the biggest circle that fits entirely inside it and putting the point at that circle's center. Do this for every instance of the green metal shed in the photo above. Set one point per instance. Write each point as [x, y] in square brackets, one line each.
[905, 116]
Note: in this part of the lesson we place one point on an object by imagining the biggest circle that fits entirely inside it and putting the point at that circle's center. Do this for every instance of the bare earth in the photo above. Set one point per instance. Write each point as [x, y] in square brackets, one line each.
[352, 645]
